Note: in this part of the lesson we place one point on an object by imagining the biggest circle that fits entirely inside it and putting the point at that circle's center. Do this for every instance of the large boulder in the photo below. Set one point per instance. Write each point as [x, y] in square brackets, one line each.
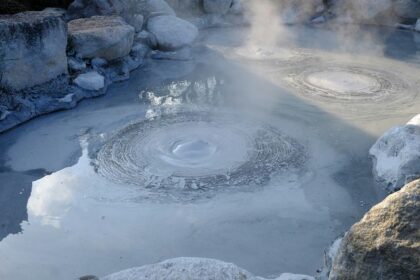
[385, 244]
[193, 269]
[396, 155]
[108, 37]
[172, 33]
[217, 6]
[32, 49]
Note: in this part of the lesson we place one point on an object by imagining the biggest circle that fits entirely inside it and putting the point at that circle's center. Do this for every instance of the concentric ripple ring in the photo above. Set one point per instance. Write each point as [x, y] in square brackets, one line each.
[348, 83]
[197, 151]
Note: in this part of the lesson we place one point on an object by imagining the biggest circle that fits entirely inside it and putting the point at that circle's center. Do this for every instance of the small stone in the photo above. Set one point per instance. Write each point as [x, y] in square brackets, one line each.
[76, 65]
[90, 81]
[98, 62]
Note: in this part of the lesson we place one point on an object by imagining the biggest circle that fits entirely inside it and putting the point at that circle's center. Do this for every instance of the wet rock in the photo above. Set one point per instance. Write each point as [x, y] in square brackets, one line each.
[171, 32]
[90, 81]
[385, 244]
[76, 65]
[140, 50]
[32, 49]
[396, 155]
[136, 21]
[193, 269]
[417, 27]
[217, 6]
[108, 37]
[181, 54]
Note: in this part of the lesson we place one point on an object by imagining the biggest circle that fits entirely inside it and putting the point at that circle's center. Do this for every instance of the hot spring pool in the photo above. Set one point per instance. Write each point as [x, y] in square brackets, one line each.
[257, 161]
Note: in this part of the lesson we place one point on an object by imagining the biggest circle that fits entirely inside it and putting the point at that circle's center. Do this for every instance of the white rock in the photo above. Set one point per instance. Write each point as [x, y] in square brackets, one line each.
[171, 32]
[396, 155]
[193, 269]
[417, 27]
[108, 37]
[217, 6]
[90, 81]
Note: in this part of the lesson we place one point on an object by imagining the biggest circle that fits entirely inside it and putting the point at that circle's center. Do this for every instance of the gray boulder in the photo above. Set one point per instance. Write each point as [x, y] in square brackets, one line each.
[32, 49]
[90, 81]
[217, 6]
[396, 155]
[108, 37]
[385, 244]
[172, 33]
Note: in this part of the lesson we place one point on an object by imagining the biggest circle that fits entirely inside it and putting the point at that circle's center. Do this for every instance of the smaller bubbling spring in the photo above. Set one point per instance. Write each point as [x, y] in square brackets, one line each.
[348, 83]
[197, 151]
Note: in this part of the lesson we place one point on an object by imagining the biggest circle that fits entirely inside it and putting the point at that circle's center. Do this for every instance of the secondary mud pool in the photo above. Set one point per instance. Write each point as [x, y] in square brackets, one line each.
[256, 155]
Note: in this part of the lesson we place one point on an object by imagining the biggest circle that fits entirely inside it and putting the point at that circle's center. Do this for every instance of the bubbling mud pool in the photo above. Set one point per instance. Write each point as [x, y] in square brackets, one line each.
[198, 151]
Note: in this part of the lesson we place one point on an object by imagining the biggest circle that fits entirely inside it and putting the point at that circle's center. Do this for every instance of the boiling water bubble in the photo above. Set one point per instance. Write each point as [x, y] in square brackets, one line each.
[193, 151]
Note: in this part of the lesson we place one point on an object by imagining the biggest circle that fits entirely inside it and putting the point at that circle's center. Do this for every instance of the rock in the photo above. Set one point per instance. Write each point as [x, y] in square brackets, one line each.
[76, 65]
[187, 8]
[417, 27]
[124, 8]
[147, 38]
[385, 244]
[90, 81]
[193, 269]
[32, 49]
[181, 54]
[136, 21]
[171, 32]
[217, 6]
[407, 9]
[140, 50]
[98, 62]
[108, 37]
[396, 155]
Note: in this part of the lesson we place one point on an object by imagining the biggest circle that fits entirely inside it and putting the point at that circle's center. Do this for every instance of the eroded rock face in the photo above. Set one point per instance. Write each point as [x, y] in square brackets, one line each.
[108, 37]
[299, 11]
[32, 49]
[172, 33]
[385, 244]
[193, 269]
[396, 155]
